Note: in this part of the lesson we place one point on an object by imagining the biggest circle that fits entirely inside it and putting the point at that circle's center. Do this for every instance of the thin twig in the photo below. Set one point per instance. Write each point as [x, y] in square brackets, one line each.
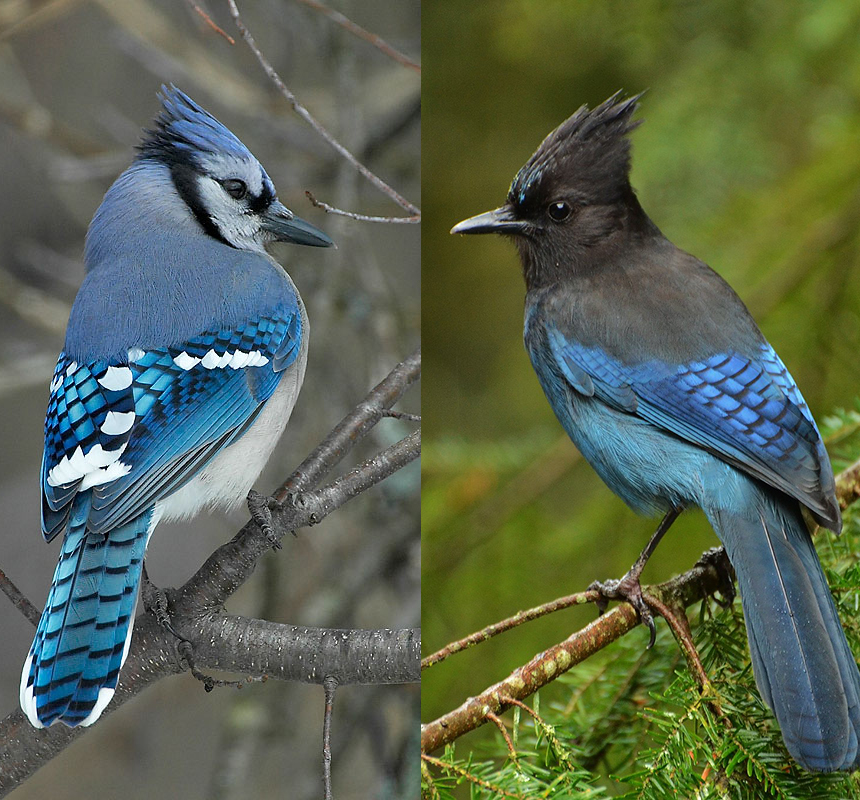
[353, 427]
[495, 791]
[497, 721]
[517, 619]
[18, 599]
[416, 218]
[698, 582]
[210, 22]
[377, 41]
[307, 117]
[405, 416]
[329, 687]
[313, 506]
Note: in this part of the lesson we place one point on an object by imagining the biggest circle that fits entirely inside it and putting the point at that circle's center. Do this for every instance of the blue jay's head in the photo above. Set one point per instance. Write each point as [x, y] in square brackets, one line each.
[223, 185]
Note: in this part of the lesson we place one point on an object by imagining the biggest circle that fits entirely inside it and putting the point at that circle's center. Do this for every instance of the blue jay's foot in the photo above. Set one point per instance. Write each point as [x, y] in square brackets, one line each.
[156, 602]
[628, 588]
[261, 507]
[716, 557]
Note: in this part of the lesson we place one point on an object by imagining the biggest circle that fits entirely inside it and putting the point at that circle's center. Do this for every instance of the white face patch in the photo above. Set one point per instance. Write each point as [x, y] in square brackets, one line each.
[234, 221]
[236, 359]
[222, 166]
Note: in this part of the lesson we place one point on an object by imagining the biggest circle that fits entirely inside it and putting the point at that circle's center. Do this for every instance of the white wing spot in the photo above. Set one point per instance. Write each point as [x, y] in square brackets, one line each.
[116, 379]
[135, 354]
[95, 467]
[57, 382]
[185, 361]
[117, 422]
[100, 476]
[210, 360]
[240, 359]
[235, 359]
[71, 369]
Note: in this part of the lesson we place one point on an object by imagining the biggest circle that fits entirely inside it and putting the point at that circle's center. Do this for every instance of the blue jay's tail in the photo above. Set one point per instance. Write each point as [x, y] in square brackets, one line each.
[85, 630]
[802, 663]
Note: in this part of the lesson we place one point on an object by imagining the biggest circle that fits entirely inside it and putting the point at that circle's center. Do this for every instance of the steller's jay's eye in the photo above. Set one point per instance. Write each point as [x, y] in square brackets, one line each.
[235, 188]
[559, 211]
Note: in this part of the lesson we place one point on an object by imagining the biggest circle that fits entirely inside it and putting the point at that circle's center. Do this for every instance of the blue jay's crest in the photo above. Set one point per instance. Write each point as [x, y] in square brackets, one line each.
[184, 131]
[217, 177]
[588, 155]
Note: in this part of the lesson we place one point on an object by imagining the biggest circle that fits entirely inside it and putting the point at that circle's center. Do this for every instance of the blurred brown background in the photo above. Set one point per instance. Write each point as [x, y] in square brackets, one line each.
[77, 82]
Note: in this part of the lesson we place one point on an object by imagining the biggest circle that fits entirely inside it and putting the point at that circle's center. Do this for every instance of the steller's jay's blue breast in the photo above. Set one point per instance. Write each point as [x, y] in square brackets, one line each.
[664, 382]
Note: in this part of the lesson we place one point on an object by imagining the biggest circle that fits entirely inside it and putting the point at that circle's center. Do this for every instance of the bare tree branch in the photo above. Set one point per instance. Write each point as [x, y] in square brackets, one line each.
[18, 599]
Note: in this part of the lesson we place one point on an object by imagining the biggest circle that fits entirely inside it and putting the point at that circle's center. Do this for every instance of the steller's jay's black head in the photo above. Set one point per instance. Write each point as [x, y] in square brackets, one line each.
[571, 204]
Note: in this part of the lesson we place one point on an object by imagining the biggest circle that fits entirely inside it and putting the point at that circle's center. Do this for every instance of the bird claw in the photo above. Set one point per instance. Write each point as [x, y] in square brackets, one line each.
[627, 588]
[260, 507]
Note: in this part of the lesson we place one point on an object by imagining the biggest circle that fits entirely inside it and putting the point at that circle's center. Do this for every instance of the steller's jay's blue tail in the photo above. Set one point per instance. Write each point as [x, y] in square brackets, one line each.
[802, 664]
[662, 379]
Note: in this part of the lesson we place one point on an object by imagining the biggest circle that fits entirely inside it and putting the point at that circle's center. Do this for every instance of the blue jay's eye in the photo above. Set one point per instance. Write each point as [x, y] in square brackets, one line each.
[559, 210]
[235, 188]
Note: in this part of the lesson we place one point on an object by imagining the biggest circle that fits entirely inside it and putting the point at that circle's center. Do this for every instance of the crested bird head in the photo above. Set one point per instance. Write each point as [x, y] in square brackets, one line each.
[572, 194]
[222, 184]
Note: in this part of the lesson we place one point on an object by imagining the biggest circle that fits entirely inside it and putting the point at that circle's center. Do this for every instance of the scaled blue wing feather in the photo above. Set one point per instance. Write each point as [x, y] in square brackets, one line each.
[735, 406]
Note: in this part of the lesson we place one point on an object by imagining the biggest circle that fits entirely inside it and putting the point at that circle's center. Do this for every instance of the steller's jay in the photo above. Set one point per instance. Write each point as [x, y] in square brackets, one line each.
[662, 379]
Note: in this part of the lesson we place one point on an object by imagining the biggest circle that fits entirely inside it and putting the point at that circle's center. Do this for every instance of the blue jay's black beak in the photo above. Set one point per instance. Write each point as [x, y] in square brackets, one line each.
[501, 220]
[284, 226]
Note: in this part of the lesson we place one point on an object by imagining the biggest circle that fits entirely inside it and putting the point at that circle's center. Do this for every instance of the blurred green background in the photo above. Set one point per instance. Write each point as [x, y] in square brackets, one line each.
[749, 158]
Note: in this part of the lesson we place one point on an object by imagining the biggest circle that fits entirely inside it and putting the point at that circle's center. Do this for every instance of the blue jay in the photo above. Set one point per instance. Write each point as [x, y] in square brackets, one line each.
[662, 379]
[184, 354]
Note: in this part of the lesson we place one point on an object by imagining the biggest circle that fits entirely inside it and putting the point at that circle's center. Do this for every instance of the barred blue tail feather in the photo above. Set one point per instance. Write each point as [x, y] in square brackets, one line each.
[803, 666]
[83, 636]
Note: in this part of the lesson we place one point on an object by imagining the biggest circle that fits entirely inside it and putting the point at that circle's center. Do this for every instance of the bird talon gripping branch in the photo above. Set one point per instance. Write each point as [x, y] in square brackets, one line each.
[629, 590]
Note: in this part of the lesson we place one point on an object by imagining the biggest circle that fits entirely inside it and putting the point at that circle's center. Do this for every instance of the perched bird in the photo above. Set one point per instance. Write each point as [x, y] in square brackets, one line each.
[662, 379]
[185, 351]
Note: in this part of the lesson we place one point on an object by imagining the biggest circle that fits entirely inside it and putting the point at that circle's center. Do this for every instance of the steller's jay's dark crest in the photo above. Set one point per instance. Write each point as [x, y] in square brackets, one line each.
[664, 382]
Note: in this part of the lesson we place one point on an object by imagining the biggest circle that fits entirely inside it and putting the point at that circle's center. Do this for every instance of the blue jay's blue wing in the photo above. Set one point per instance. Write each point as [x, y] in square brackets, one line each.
[746, 410]
[134, 433]
[87, 428]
